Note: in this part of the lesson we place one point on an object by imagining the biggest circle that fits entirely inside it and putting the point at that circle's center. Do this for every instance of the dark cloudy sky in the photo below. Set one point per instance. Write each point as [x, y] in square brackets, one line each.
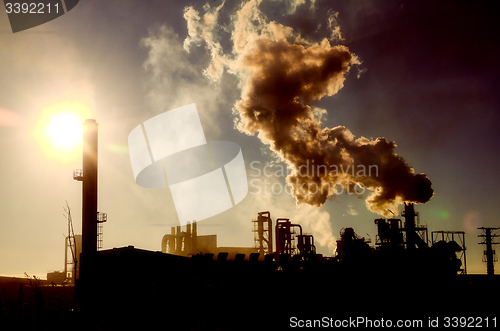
[428, 80]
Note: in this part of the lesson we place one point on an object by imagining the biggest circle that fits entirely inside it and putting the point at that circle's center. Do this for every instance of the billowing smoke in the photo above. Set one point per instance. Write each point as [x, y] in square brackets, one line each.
[280, 74]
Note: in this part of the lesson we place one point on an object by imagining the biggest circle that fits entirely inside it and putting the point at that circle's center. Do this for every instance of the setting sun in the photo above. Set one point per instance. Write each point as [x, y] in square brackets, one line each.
[65, 130]
[59, 130]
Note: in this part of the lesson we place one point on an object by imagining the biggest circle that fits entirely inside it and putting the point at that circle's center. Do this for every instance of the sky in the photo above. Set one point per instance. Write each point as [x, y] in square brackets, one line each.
[421, 74]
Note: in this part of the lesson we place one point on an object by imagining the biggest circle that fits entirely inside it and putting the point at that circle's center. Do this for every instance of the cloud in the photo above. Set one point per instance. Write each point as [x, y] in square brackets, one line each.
[280, 74]
[206, 28]
[351, 211]
[317, 222]
[176, 77]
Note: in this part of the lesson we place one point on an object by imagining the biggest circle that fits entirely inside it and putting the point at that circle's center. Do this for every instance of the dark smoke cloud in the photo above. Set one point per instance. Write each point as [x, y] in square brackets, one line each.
[281, 73]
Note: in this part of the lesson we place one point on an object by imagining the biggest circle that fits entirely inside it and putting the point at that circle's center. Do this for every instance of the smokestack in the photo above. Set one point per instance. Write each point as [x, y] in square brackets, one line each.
[409, 215]
[89, 203]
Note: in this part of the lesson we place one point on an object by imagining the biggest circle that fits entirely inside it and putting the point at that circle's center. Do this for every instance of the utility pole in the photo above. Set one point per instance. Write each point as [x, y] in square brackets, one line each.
[489, 235]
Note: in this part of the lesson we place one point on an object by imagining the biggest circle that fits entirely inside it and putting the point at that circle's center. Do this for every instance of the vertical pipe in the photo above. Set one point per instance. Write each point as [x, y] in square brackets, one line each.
[187, 240]
[278, 239]
[194, 243]
[270, 229]
[89, 195]
[260, 233]
[178, 241]
[171, 243]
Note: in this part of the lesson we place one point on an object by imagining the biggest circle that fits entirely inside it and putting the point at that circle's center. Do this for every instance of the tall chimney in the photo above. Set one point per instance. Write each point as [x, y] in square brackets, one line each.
[409, 215]
[89, 203]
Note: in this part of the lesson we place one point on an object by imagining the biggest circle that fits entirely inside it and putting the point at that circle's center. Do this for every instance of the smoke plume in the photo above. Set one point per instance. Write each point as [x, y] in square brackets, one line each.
[280, 73]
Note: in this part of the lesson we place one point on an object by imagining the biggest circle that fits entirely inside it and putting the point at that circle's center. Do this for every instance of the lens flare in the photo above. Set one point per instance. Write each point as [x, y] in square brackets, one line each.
[472, 220]
[441, 213]
[9, 118]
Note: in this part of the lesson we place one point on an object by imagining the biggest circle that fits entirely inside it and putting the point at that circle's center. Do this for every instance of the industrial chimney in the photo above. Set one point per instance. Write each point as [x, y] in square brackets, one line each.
[89, 193]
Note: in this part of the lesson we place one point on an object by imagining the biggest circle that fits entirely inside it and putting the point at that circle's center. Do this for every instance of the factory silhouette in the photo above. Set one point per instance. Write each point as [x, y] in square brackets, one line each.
[192, 284]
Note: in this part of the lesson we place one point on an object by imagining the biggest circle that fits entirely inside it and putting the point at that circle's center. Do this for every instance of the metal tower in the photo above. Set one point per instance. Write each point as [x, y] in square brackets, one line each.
[457, 237]
[489, 235]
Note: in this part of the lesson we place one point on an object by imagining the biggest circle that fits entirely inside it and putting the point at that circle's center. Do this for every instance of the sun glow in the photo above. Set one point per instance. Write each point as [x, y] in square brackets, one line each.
[59, 130]
[65, 130]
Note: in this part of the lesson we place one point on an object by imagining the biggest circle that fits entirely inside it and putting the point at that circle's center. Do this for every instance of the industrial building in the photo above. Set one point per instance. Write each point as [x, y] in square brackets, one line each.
[189, 243]
[192, 284]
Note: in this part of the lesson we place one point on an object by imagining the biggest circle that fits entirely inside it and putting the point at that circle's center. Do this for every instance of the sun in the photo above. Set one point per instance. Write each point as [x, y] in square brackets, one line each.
[59, 130]
[65, 130]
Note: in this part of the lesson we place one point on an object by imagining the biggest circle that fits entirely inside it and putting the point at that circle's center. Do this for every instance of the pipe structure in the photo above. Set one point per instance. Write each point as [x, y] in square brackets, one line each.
[264, 242]
[166, 239]
[306, 244]
[181, 243]
[284, 236]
